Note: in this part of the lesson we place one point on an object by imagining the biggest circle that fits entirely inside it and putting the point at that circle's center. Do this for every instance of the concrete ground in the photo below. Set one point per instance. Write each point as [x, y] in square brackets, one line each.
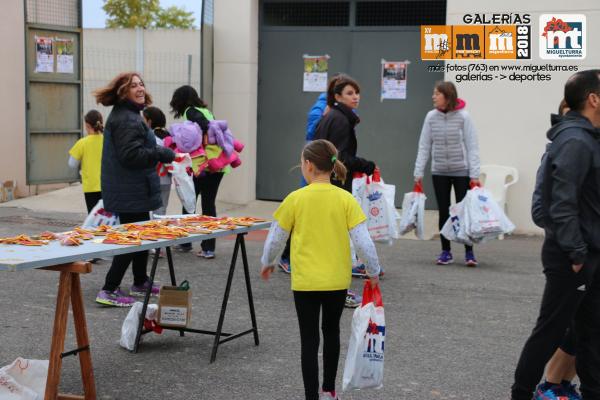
[452, 332]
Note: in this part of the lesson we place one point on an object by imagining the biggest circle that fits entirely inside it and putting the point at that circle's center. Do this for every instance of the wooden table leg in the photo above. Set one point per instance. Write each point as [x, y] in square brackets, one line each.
[69, 290]
[58, 335]
[85, 358]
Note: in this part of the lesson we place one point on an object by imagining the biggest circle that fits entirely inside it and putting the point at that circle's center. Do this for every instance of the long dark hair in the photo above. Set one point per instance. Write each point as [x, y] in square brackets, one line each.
[183, 98]
[94, 119]
[117, 89]
[336, 86]
[323, 154]
[158, 121]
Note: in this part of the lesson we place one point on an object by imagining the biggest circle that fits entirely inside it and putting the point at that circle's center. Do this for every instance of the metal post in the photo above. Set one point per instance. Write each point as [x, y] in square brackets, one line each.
[189, 69]
[139, 50]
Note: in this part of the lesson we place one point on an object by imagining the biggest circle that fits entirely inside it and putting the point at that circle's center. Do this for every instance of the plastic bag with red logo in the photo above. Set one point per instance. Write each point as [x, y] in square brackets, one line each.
[364, 362]
[382, 217]
[99, 216]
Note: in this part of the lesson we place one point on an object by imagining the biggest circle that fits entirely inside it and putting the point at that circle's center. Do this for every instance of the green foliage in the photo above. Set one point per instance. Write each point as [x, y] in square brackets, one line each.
[145, 14]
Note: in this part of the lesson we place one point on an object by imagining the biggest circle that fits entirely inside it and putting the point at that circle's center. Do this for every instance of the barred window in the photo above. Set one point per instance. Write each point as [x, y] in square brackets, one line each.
[322, 13]
[400, 13]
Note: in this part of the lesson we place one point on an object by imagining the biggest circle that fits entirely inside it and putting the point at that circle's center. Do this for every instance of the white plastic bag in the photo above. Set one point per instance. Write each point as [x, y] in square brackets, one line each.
[364, 362]
[23, 380]
[476, 219]
[184, 184]
[131, 323]
[382, 217]
[359, 191]
[99, 216]
[454, 228]
[487, 219]
[413, 212]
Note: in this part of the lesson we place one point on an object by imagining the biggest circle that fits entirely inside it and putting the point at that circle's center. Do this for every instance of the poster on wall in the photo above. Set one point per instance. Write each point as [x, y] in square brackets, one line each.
[64, 55]
[44, 57]
[393, 79]
[315, 73]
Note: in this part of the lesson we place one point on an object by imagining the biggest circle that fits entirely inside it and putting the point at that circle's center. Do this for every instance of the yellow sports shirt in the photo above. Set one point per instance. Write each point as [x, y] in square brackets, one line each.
[319, 216]
[88, 151]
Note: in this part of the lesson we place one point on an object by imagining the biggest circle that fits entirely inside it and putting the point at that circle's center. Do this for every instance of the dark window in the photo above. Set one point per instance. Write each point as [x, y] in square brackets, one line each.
[400, 13]
[323, 13]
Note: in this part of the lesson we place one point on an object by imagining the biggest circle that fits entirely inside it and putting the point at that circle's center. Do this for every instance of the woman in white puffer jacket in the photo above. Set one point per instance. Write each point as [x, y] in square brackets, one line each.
[448, 135]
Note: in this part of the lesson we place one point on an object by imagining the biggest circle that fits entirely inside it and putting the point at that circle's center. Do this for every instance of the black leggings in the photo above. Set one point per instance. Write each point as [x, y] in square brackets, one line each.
[207, 187]
[139, 260]
[308, 307]
[91, 199]
[443, 186]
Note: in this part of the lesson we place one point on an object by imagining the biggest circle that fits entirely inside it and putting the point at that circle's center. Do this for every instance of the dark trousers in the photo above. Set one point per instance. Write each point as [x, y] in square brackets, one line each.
[207, 187]
[567, 296]
[286, 250]
[443, 188]
[308, 307]
[138, 260]
[91, 199]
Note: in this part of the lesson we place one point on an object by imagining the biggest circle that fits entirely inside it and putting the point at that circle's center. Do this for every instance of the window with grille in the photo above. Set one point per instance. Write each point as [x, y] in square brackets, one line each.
[322, 13]
[400, 13]
[53, 12]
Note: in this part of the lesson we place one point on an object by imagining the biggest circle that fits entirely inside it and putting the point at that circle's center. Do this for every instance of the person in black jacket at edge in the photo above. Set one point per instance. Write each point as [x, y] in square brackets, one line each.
[338, 126]
[130, 183]
[186, 104]
[571, 249]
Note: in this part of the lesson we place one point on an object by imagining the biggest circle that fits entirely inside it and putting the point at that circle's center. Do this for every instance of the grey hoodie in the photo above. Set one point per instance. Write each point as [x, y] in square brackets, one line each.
[451, 139]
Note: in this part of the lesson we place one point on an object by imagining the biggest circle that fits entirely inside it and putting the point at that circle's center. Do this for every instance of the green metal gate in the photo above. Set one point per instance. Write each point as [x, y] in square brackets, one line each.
[54, 88]
[357, 35]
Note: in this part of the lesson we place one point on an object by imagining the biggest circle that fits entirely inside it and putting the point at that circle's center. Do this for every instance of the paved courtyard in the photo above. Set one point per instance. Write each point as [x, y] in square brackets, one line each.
[452, 332]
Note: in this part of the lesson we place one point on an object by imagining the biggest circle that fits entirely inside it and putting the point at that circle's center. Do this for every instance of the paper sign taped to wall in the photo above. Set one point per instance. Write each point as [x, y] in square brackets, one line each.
[315, 73]
[393, 80]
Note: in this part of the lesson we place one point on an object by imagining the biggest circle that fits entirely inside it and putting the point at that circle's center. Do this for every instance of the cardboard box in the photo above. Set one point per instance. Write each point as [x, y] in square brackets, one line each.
[174, 306]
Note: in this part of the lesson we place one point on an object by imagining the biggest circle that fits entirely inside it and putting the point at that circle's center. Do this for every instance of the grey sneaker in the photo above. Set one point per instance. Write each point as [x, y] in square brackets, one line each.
[353, 300]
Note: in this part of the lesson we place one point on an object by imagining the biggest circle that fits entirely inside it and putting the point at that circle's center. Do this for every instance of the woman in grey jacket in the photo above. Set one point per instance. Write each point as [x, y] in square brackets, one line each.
[449, 136]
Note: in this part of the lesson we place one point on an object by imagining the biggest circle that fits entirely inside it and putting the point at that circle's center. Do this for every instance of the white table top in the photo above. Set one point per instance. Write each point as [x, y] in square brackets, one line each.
[17, 257]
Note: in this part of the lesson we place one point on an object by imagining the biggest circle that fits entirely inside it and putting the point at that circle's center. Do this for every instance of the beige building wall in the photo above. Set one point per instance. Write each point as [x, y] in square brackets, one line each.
[511, 118]
[12, 96]
[161, 56]
[235, 88]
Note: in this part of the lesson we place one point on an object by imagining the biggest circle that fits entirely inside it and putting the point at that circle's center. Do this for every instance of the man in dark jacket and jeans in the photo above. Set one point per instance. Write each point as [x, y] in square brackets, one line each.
[571, 250]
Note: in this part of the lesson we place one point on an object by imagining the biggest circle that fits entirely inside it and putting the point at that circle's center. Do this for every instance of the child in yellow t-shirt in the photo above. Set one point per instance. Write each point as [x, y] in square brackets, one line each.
[87, 155]
[321, 215]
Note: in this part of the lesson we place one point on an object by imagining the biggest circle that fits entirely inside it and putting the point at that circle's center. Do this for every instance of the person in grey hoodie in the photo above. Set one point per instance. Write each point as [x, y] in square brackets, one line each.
[449, 136]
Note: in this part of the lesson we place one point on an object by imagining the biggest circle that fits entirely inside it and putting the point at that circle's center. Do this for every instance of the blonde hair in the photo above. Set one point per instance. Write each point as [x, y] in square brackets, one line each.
[324, 156]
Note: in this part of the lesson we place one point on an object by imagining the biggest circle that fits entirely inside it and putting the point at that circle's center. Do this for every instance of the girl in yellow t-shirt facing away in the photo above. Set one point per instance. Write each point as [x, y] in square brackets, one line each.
[87, 155]
[321, 215]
